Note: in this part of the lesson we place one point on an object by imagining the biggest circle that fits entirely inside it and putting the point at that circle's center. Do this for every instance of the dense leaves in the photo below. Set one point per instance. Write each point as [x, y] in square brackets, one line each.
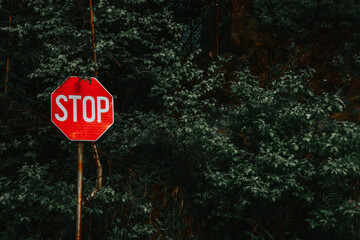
[246, 144]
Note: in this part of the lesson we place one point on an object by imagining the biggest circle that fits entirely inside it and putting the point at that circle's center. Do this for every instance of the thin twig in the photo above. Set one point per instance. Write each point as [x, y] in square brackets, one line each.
[98, 184]
[93, 36]
[82, 10]
[93, 145]
[109, 161]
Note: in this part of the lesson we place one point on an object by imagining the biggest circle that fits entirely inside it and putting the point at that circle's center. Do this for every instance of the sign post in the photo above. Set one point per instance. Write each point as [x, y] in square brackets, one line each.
[83, 111]
[79, 189]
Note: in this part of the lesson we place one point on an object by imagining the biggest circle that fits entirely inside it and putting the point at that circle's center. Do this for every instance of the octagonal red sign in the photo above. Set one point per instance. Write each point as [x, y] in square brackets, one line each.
[82, 110]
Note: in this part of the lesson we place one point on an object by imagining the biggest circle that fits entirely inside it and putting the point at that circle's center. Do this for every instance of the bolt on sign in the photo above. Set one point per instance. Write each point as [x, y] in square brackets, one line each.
[82, 110]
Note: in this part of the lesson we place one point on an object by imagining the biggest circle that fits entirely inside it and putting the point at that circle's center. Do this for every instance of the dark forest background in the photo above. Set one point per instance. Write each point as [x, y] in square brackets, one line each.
[234, 119]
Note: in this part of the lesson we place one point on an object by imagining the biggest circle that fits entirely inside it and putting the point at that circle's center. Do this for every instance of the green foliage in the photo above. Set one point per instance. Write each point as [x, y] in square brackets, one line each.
[197, 151]
[34, 206]
[300, 16]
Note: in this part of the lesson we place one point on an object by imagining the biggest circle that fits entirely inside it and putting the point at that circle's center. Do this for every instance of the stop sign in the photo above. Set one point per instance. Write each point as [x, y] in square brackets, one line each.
[82, 110]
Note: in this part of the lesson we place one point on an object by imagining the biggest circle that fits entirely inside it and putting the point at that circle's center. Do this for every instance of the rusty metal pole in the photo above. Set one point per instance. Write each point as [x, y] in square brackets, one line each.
[79, 190]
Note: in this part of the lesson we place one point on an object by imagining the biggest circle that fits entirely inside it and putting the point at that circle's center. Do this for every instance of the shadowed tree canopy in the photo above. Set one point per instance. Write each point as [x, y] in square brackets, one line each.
[234, 119]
